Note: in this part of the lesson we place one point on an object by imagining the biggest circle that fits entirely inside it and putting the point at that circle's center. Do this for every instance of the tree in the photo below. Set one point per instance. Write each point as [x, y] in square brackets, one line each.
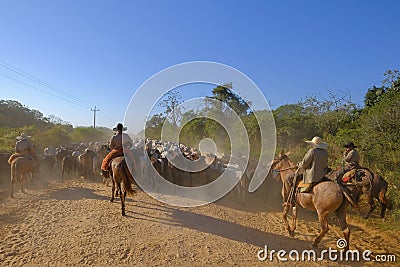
[225, 94]
[373, 96]
[171, 103]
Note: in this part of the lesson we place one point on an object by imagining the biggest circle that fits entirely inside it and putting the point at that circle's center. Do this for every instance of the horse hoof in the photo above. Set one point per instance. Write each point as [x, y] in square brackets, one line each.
[123, 213]
[111, 200]
[291, 233]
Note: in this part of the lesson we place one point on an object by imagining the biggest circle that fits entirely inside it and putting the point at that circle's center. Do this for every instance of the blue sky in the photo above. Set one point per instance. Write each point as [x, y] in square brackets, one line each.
[100, 52]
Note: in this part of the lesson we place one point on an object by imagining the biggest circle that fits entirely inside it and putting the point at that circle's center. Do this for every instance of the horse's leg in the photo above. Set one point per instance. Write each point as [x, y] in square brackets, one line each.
[383, 207]
[284, 216]
[341, 215]
[12, 187]
[294, 220]
[21, 182]
[121, 197]
[371, 205]
[112, 189]
[322, 216]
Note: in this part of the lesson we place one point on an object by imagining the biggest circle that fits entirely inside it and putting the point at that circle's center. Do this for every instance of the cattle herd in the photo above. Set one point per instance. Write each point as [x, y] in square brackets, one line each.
[84, 160]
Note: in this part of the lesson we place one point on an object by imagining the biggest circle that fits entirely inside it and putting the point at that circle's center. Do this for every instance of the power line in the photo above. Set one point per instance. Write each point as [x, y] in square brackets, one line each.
[65, 95]
[41, 90]
[37, 80]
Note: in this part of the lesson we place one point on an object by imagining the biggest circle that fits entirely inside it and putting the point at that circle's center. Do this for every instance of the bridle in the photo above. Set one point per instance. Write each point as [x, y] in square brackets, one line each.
[281, 170]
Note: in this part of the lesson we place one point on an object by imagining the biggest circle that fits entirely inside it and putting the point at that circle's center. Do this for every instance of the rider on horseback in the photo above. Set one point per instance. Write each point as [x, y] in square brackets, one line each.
[24, 147]
[351, 160]
[314, 163]
[314, 166]
[118, 142]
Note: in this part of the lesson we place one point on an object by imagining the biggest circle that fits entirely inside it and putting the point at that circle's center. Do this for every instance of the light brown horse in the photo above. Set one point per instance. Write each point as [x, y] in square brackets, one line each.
[122, 178]
[21, 167]
[326, 198]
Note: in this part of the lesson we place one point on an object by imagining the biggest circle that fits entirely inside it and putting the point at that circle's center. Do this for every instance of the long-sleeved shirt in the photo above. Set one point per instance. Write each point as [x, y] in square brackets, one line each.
[118, 138]
[24, 146]
[314, 164]
[352, 159]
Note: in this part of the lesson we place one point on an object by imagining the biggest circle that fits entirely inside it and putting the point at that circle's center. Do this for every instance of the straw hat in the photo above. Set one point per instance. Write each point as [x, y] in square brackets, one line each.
[23, 136]
[317, 143]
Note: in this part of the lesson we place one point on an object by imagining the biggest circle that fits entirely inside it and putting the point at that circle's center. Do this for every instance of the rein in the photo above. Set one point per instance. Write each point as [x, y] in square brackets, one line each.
[289, 168]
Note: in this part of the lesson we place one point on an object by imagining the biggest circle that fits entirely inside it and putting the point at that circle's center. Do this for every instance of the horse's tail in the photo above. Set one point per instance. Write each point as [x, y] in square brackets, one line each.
[127, 180]
[349, 197]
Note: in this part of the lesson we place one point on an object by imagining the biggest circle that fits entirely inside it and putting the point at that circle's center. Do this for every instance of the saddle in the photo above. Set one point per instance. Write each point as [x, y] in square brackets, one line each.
[354, 175]
[302, 187]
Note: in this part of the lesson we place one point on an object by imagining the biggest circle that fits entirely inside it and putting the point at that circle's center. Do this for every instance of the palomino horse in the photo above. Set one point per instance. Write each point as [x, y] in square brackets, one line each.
[372, 185]
[21, 167]
[120, 174]
[326, 198]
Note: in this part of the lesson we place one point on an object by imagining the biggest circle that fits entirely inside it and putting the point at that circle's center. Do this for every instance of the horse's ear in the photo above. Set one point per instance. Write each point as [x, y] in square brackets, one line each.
[288, 153]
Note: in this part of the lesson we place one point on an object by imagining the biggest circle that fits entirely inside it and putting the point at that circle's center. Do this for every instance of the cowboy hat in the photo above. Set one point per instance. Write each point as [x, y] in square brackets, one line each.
[23, 136]
[349, 144]
[317, 143]
[119, 127]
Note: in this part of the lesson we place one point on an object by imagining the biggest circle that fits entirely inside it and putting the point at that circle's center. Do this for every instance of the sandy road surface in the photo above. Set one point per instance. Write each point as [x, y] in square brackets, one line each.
[74, 224]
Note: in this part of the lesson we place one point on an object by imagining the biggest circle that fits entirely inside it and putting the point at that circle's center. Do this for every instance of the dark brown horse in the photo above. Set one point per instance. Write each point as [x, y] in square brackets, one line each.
[372, 185]
[326, 198]
[122, 178]
[21, 168]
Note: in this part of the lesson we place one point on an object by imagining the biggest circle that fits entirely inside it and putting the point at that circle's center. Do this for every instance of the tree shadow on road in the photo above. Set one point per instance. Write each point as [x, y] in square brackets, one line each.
[234, 231]
[76, 193]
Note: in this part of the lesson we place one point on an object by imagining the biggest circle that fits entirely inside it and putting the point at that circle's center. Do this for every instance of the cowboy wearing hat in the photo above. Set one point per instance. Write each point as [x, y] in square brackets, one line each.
[314, 165]
[118, 142]
[351, 158]
[23, 145]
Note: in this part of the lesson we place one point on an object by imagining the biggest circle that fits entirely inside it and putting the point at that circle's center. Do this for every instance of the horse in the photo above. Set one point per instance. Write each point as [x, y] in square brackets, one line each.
[326, 198]
[21, 167]
[120, 174]
[372, 185]
[284, 167]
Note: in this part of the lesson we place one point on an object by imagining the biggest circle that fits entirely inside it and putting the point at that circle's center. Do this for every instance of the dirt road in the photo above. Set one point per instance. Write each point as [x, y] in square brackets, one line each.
[74, 224]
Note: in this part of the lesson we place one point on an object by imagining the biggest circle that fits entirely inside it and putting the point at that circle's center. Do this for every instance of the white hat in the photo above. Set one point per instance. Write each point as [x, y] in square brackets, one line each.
[23, 136]
[317, 143]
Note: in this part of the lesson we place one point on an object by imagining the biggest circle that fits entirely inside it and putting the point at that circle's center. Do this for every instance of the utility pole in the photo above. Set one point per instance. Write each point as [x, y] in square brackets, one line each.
[94, 116]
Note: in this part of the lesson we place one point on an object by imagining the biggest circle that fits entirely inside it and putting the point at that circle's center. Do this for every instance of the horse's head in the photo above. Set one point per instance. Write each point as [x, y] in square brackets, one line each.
[281, 162]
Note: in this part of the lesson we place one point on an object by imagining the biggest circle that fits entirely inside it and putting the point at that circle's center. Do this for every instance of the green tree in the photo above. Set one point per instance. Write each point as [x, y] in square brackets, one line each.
[225, 94]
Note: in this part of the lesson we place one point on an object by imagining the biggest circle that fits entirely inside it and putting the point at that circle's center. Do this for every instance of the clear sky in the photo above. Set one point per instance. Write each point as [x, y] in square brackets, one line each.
[100, 52]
